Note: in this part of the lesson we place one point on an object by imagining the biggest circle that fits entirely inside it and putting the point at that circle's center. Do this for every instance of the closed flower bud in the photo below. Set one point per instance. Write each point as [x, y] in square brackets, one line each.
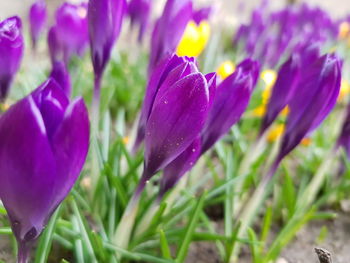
[11, 52]
[44, 141]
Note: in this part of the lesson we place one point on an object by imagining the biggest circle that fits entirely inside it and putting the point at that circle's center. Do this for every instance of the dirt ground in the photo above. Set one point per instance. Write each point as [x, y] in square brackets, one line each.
[301, 250]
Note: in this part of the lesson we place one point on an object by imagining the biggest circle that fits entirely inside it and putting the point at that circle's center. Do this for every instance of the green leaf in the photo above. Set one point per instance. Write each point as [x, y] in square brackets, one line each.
[186, 240]
[44, 246]
[164, 245]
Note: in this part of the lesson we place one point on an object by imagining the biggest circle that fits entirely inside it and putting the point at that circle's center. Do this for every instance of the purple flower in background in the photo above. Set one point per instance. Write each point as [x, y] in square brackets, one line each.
[314, 98]
[11, 52]
[201, 14]
[230, 101]
[272, 35]
[105, 20]
[61, 75]
[71, 30]
[168, 30]
[282, 91]
[40, 164]
[37, 20]
[140, 12]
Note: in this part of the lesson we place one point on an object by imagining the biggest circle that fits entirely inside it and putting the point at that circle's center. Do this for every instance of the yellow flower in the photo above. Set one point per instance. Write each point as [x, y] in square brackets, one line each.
[194, 39]
[126, 140]
[285, 111]
[275, 133]
[225, 69]
[259, 111]
[4, 107]
[266, 95]
[344, 30]
[269, 76]
[306, 141]
[344, 90]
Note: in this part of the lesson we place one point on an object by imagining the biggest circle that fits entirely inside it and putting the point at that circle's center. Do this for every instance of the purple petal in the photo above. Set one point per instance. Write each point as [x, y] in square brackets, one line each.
[37, 20]
[283, 90]
[52, 103]
[169, 29]
[70, 144]
[202, 14]
[61, 75]
[177, 168]
[11, 52]
[231, 99]
[139, 12]
[314, 99]
[27, 169]
[105, 21]
[176, 120]
[167, 73]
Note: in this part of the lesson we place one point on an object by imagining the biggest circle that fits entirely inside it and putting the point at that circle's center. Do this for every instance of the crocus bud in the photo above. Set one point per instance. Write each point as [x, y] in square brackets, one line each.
[139, 12]
[169, 30]
[55, 47]
[61, 75]
[282, 91]
[11, 52]
[37, 20]
[231, 99]
[72, 29]
[178, 115]
[40, 164]
[169, 70]
[105, 21]
[314, 98]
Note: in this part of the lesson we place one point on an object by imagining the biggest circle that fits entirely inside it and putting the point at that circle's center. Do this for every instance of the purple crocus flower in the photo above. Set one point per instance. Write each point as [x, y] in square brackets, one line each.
[282, 91]
[168, 30]
[37, 20]
[231, 99]
[40, 164]
[312, 102]
[105, 20]
[72, 29]
[61, 75]
[140, 12]
[176, 118]
[169, 70]
[11, 52]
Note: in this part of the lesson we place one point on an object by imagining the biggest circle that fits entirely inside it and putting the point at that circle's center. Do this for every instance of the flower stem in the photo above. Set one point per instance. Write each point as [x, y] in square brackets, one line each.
[95, 113]
[122, 235]
[251, 209]
[95, 107]
[23, 252]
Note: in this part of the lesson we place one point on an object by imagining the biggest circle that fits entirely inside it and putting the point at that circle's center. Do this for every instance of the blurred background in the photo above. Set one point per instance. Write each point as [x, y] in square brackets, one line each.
[235, 10]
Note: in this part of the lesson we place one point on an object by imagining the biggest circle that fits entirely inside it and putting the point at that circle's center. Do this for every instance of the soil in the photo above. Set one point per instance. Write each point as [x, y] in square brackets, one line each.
[301, 250]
